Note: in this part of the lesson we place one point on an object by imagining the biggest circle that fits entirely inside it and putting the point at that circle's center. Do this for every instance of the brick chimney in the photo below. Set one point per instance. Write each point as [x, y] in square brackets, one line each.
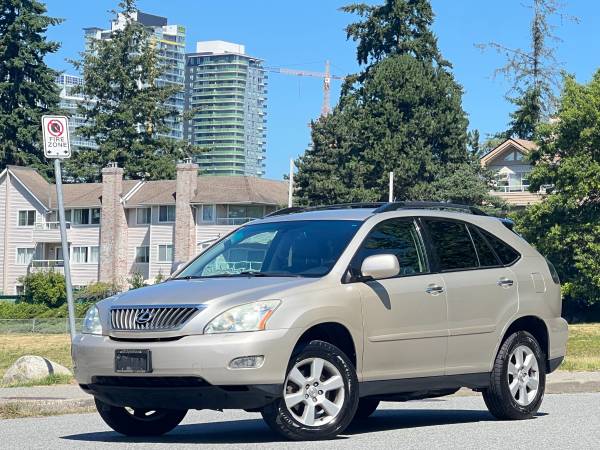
[185, 224]
[113, 228]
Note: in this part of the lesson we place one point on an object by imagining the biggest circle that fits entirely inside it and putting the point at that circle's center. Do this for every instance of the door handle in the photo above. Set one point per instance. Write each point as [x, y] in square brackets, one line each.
[505, 282]
[434, 289]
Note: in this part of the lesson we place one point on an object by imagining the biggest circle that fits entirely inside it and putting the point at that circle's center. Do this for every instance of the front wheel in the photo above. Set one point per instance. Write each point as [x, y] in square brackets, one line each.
[320, 394]
[139, 422]
[518, 379]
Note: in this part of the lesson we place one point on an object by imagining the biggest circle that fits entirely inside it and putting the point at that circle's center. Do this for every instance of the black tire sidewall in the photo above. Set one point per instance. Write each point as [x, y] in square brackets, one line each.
[281, 420]
[523, 338]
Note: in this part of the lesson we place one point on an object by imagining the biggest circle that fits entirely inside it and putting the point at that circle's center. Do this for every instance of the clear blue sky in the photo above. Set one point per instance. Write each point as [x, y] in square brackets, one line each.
[303, 34]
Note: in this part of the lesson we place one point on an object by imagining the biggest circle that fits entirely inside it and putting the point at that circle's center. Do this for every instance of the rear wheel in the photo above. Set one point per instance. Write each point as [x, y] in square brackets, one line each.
[320, 394]
[366, 407]
[139, 422]
[518, 379]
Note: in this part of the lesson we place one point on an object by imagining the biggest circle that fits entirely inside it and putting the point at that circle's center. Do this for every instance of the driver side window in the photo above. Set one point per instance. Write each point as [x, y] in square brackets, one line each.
[398, 237]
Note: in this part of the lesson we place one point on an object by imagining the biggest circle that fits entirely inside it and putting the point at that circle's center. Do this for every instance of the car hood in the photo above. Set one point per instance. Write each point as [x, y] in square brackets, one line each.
[208, 291]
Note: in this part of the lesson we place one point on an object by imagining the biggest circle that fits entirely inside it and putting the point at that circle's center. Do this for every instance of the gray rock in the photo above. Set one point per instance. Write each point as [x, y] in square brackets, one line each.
[30, 368]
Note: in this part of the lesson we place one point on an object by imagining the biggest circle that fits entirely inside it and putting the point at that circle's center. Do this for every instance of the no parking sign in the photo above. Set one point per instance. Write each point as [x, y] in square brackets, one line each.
[56, 137]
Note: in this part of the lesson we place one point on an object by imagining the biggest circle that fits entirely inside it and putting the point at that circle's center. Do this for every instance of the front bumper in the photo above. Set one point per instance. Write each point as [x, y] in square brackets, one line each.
[199, 356]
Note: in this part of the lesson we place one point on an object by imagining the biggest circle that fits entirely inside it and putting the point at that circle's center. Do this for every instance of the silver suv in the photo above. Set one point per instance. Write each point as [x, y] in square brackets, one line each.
[312, 317]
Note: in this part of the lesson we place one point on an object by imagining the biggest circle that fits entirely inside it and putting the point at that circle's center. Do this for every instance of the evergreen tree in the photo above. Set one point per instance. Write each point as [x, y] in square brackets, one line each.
[403, 114]
[27, 85]
[565, 226]
[534, 73]
[126, 112]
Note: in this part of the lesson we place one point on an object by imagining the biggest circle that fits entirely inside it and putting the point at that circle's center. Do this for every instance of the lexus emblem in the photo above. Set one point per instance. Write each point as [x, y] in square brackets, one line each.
[143, 317]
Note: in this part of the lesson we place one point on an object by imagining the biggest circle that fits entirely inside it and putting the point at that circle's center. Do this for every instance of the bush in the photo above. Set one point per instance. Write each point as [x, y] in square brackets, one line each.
[36, 311]
[44, 288]
[136, 281]
[96, 291]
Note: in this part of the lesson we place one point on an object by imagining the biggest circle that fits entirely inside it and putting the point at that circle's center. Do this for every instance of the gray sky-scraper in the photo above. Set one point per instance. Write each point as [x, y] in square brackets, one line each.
[226, 94]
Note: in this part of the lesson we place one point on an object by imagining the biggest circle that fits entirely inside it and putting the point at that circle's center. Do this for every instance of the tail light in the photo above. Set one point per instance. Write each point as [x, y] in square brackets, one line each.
[553, 272]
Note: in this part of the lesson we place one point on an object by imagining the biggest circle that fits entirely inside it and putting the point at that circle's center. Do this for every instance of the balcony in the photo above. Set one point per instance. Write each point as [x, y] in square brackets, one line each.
[49, 231]
[233, 220]
[512, 188]
[46, 265]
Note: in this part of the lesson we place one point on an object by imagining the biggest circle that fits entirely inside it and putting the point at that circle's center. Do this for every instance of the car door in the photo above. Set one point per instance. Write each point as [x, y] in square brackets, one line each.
[481, 293]
[405, 330]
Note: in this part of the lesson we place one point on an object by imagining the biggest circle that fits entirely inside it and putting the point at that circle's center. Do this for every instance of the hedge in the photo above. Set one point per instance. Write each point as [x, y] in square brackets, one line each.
[10, 310]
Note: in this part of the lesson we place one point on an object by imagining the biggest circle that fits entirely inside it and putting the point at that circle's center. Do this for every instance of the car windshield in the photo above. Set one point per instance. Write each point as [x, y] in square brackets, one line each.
[303, 248]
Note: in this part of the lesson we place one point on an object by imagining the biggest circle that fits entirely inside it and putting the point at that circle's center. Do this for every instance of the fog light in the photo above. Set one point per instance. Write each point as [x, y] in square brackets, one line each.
[247, 362]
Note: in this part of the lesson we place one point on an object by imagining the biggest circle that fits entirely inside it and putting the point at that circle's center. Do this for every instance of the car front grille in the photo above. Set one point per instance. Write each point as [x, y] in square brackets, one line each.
[151, 318]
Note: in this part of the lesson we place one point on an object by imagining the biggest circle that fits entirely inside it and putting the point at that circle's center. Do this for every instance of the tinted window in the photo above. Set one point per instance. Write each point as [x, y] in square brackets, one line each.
[396, 237]
[453, 245]
[487, 257]
[505, 252]
[307, 248]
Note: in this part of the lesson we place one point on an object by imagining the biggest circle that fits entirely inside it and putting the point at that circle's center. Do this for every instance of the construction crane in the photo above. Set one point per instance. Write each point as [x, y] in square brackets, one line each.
[326, 76]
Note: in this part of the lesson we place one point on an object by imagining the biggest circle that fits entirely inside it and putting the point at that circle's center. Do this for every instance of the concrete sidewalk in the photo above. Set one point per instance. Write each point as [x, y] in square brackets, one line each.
[558, 382]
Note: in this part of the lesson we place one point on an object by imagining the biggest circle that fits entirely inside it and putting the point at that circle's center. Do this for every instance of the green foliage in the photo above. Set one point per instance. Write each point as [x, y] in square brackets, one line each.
[402, 114]
[159, 278]
[27, 88]
[44, 288]
[565, 227]
[39, 311]
[128, 112]
[96, 291]
[136, 281]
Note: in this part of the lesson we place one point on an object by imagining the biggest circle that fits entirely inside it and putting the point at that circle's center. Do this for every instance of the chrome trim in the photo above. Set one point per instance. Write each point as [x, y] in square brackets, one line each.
[164, 317]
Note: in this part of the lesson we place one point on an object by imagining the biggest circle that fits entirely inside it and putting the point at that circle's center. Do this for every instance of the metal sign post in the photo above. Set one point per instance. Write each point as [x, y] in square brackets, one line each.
[57, 146]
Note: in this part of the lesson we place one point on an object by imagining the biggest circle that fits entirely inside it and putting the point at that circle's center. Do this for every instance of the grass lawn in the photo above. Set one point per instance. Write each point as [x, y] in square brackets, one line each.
[56, 347]
[583, 352]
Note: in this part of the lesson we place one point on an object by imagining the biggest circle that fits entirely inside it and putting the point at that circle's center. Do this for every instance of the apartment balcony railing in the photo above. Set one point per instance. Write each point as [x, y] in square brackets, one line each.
[45, 265]
[512, 188]
[48, 231]
[233, 220]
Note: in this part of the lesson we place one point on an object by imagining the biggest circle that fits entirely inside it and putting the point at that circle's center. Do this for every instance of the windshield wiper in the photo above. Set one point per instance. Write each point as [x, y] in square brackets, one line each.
[189, 277]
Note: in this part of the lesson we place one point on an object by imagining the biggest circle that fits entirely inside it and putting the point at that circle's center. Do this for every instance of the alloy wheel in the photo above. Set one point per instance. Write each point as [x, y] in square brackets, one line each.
[314, 392]
[523, 375]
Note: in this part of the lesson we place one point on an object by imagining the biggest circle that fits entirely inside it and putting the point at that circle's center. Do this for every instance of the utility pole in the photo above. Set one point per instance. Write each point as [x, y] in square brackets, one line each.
[291, 185]
[326, 109]
[391, 194]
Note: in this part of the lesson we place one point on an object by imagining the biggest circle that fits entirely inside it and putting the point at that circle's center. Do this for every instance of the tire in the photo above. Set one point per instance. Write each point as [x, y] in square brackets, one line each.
[320, 394]
[139, 422]
[366, 407]
[524, 377]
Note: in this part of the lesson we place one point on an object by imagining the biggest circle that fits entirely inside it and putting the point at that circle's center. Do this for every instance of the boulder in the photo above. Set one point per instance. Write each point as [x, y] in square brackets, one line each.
[30, 368]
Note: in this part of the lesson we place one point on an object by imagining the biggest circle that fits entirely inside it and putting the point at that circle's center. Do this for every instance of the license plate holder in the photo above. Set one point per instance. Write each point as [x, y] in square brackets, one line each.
[133, 361]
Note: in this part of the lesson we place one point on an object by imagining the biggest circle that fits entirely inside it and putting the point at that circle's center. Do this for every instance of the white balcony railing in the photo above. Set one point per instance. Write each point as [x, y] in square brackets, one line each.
[47, 226]
[42, 265]
[234, 220]
[512, 188]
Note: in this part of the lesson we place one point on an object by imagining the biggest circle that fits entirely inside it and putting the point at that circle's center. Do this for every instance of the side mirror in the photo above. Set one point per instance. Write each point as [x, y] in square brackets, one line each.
[378, 267]
[176, 266]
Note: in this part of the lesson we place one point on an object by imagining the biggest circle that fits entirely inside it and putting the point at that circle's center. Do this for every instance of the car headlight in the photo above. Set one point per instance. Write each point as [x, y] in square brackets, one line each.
[249, 317]
[91, 322]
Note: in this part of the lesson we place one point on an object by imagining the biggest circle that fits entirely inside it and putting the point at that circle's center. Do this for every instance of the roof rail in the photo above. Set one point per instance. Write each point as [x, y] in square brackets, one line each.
[298, 209]
[394, 206]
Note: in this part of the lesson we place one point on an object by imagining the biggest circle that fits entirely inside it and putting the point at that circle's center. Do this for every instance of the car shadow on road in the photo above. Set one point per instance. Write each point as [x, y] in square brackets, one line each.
[253, 431]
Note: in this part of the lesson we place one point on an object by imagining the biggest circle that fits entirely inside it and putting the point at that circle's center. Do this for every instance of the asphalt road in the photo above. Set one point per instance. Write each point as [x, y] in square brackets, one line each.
[564, 421]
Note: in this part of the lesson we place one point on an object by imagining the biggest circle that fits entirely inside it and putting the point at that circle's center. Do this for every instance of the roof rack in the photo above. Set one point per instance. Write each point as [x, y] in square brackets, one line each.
[298, 209]
[394, 206]
[380, 207]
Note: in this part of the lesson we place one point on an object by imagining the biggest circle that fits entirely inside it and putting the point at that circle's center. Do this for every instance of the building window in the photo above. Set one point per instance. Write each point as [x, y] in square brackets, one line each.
[143, 216]
[20, 289]
[166, 213]
[142, 254]
[25, 256]
[27, 218]
[208, 213]
[165, 253]
[79, 255]
[95, 216]
[94, 254]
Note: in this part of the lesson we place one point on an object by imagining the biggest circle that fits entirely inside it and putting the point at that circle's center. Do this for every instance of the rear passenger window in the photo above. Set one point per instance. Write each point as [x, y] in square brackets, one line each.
[453, 245]
[505, 252]
[487, 257]
[396, 237]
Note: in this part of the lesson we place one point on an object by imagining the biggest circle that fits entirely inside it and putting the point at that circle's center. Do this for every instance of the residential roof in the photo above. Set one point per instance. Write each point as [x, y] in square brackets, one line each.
[522, 145]
[215, 189]
[210, 190]
[75, 195]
